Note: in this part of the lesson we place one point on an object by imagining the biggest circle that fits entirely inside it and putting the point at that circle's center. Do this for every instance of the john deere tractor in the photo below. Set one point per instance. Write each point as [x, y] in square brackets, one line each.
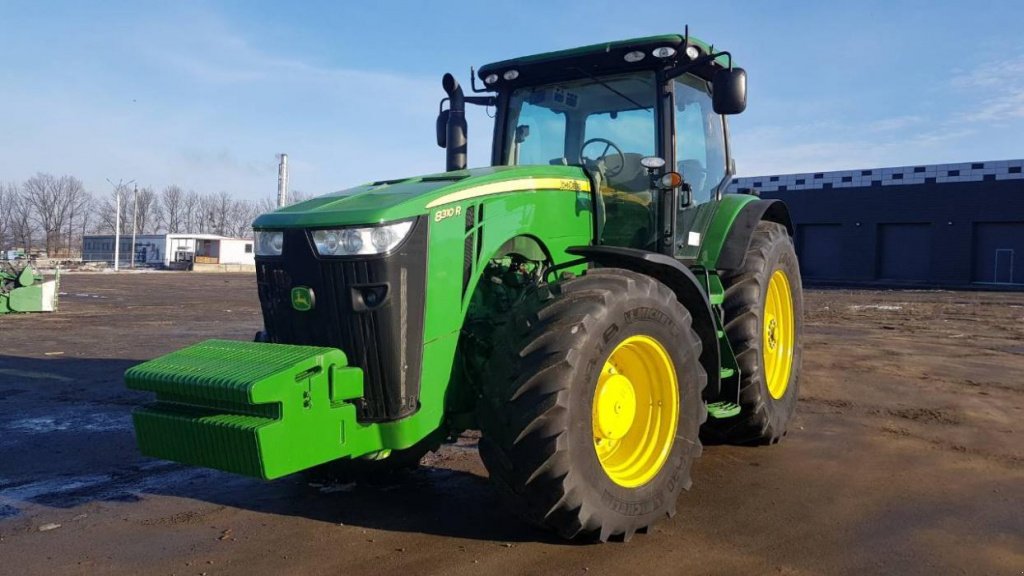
[594, 302]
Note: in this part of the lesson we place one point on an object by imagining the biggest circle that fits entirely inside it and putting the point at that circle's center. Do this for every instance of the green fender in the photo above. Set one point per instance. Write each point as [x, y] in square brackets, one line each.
[732, 227]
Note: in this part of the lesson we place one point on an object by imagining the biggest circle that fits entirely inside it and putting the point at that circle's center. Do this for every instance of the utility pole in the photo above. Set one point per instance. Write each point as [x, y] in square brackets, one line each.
[117, 229]
[117, 221]
[135, 218]
[282, 181]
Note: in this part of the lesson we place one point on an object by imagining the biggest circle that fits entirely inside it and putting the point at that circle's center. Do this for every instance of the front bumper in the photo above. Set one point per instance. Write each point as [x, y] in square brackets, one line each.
[263, 410]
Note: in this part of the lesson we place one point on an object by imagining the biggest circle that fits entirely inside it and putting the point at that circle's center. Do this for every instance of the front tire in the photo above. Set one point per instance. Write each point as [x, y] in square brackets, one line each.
[763, 309]
[591, 417]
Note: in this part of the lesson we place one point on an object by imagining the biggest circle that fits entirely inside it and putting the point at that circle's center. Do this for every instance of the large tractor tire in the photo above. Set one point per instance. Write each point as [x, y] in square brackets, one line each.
[763, 309]
[591, 417]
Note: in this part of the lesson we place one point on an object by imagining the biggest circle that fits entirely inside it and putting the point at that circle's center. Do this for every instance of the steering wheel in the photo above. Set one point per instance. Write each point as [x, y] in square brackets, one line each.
[608, 146]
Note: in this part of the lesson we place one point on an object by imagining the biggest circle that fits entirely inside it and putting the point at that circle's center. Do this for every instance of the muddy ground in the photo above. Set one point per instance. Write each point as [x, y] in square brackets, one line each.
[906, 457]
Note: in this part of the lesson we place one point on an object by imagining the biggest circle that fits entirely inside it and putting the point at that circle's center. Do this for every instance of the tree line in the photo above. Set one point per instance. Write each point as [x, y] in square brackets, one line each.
[51, 214]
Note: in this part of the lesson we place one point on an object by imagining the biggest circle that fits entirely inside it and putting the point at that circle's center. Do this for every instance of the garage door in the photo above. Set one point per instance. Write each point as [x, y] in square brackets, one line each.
[817, 247]
[904, 252]
[998, 252]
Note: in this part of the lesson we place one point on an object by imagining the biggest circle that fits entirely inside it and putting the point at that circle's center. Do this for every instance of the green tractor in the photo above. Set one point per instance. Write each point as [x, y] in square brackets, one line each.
[593, 302]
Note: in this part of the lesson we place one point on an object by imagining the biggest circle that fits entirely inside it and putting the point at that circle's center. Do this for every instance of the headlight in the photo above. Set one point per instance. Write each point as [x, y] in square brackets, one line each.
[269, 243]
[361, 241]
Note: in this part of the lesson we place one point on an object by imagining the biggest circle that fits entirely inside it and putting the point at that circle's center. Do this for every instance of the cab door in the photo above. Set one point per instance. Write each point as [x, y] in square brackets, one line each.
[700, 157]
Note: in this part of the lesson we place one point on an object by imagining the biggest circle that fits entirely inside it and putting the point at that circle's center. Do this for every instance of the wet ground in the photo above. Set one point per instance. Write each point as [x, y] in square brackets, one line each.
[906, 457]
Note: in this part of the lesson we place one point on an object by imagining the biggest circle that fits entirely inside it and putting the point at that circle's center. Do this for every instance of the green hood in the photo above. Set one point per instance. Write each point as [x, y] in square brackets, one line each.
[406, 198]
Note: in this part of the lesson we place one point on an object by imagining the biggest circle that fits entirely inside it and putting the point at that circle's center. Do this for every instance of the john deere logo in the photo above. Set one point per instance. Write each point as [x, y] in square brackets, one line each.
[302, 298]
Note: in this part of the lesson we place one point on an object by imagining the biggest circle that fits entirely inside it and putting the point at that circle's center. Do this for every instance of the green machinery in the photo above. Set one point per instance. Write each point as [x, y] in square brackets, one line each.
[593, 301]
[25, 290]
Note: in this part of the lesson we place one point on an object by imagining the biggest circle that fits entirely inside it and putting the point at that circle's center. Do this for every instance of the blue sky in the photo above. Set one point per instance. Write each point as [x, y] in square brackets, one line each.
[204, 94]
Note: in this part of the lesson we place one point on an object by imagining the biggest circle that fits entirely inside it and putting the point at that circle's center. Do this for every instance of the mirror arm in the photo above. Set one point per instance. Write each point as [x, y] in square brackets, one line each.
[481, 100]
[472, 83]
[681, 69]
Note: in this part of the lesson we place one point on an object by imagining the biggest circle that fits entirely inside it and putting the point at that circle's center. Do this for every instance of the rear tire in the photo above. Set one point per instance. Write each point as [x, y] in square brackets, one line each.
[563, 456]
[767, 340]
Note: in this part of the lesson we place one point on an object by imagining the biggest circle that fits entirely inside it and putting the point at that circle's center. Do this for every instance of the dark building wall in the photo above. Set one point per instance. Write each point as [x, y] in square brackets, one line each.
[939, 234]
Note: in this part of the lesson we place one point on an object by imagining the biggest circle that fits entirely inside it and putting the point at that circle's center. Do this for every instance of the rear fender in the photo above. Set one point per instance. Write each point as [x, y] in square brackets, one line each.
[734, 249]
[680, 280]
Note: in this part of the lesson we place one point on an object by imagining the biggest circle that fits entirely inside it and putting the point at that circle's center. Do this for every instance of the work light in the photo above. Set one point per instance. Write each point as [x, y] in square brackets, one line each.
[269, 243]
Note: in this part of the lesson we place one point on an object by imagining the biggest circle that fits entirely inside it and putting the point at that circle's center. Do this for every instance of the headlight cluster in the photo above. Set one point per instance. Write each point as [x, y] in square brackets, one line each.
[361, 241]
[269, 243]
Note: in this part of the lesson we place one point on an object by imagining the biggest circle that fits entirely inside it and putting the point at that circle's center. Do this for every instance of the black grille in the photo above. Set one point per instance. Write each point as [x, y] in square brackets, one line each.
[371, 308]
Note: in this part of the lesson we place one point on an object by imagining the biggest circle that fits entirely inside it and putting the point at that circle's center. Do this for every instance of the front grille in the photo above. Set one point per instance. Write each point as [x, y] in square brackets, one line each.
[384, 339]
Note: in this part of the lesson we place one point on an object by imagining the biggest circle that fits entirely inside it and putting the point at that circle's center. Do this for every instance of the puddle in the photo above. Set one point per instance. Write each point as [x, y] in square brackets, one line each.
[101, 422]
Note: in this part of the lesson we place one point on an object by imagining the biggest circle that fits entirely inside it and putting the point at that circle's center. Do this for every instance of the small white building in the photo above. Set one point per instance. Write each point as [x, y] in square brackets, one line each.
[169, 250]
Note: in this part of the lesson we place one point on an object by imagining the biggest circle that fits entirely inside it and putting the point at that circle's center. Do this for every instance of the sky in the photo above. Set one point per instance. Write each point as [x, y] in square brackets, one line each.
[206, 94]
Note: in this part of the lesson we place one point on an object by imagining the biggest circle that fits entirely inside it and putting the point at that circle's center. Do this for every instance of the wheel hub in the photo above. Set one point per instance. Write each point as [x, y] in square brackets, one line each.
[779, 334]
[616, 406]
[635, 411]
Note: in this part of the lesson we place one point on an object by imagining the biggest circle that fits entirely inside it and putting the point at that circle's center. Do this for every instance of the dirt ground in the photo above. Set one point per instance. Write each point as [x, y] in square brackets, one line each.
[906, 457]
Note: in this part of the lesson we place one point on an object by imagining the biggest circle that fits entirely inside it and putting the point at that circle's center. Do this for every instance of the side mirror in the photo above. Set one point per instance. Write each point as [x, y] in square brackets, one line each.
[442, 128]
[729, 94]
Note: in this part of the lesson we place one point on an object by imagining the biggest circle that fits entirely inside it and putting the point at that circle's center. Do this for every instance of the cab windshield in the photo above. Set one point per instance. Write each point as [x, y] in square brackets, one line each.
[607, 125]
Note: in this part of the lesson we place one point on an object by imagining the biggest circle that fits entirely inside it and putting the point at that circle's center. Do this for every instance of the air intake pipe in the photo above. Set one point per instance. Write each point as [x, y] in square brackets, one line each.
[456, 128]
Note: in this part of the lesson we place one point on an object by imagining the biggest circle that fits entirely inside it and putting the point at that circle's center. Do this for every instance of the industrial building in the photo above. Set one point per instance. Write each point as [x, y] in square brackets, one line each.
[170, 250]
[944, 225]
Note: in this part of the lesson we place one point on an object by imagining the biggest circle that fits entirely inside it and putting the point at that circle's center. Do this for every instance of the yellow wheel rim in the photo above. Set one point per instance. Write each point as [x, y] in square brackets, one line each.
[635, 411]
[779, 334]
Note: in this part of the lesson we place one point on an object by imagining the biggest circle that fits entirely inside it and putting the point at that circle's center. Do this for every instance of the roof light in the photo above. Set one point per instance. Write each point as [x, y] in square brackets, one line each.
[491, 79]
[510, 74]
[692, 52]
[663, 52]
[634, 56]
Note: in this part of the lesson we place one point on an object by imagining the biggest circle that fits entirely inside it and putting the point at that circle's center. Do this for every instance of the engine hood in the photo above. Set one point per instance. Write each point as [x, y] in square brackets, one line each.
[409, 197]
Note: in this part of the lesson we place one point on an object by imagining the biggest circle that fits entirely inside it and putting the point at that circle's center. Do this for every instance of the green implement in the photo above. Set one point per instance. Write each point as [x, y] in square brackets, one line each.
[25, 290]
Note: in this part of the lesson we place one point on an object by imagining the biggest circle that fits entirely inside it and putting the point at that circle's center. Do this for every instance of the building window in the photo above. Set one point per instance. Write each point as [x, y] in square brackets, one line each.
[918, 169]
[248, 248]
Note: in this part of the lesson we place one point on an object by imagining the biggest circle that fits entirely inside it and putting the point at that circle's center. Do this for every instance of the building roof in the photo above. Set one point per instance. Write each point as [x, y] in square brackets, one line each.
[196, 236]
[893, 176]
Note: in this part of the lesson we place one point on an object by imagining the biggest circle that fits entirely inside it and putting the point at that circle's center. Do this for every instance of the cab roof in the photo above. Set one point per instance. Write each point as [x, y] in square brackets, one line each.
[599, 59]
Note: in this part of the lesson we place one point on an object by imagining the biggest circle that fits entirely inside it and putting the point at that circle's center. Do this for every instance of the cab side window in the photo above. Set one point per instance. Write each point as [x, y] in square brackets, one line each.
[700, 140]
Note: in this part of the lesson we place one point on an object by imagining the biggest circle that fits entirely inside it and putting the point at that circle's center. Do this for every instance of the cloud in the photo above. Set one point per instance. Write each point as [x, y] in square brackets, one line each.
[995, 91]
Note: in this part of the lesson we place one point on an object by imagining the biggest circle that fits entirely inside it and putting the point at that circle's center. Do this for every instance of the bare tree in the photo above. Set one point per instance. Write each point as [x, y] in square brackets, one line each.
[146, 208]
[107, 217]
[242, 214]
[8, 193]
[82, 206]
[22, 221]
[52, 200]
[223, 209]
[172, 208]
[190, 213]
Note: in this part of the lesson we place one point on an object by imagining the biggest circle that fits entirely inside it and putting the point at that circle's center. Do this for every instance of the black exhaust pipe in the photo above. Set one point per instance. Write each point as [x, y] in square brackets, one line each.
[456, 130]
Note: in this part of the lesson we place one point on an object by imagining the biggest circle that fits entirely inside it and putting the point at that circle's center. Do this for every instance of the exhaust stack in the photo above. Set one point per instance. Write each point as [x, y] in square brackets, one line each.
[456, 129]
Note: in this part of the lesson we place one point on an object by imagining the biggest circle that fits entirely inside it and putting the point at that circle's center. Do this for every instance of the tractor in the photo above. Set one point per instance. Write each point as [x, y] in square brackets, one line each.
[595, 302]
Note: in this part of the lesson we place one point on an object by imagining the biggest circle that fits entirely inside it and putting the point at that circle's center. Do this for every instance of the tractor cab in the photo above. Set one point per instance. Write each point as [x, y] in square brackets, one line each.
[630, 114]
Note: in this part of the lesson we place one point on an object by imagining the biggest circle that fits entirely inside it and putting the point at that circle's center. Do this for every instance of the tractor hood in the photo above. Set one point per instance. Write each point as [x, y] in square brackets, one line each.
[409, 197]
